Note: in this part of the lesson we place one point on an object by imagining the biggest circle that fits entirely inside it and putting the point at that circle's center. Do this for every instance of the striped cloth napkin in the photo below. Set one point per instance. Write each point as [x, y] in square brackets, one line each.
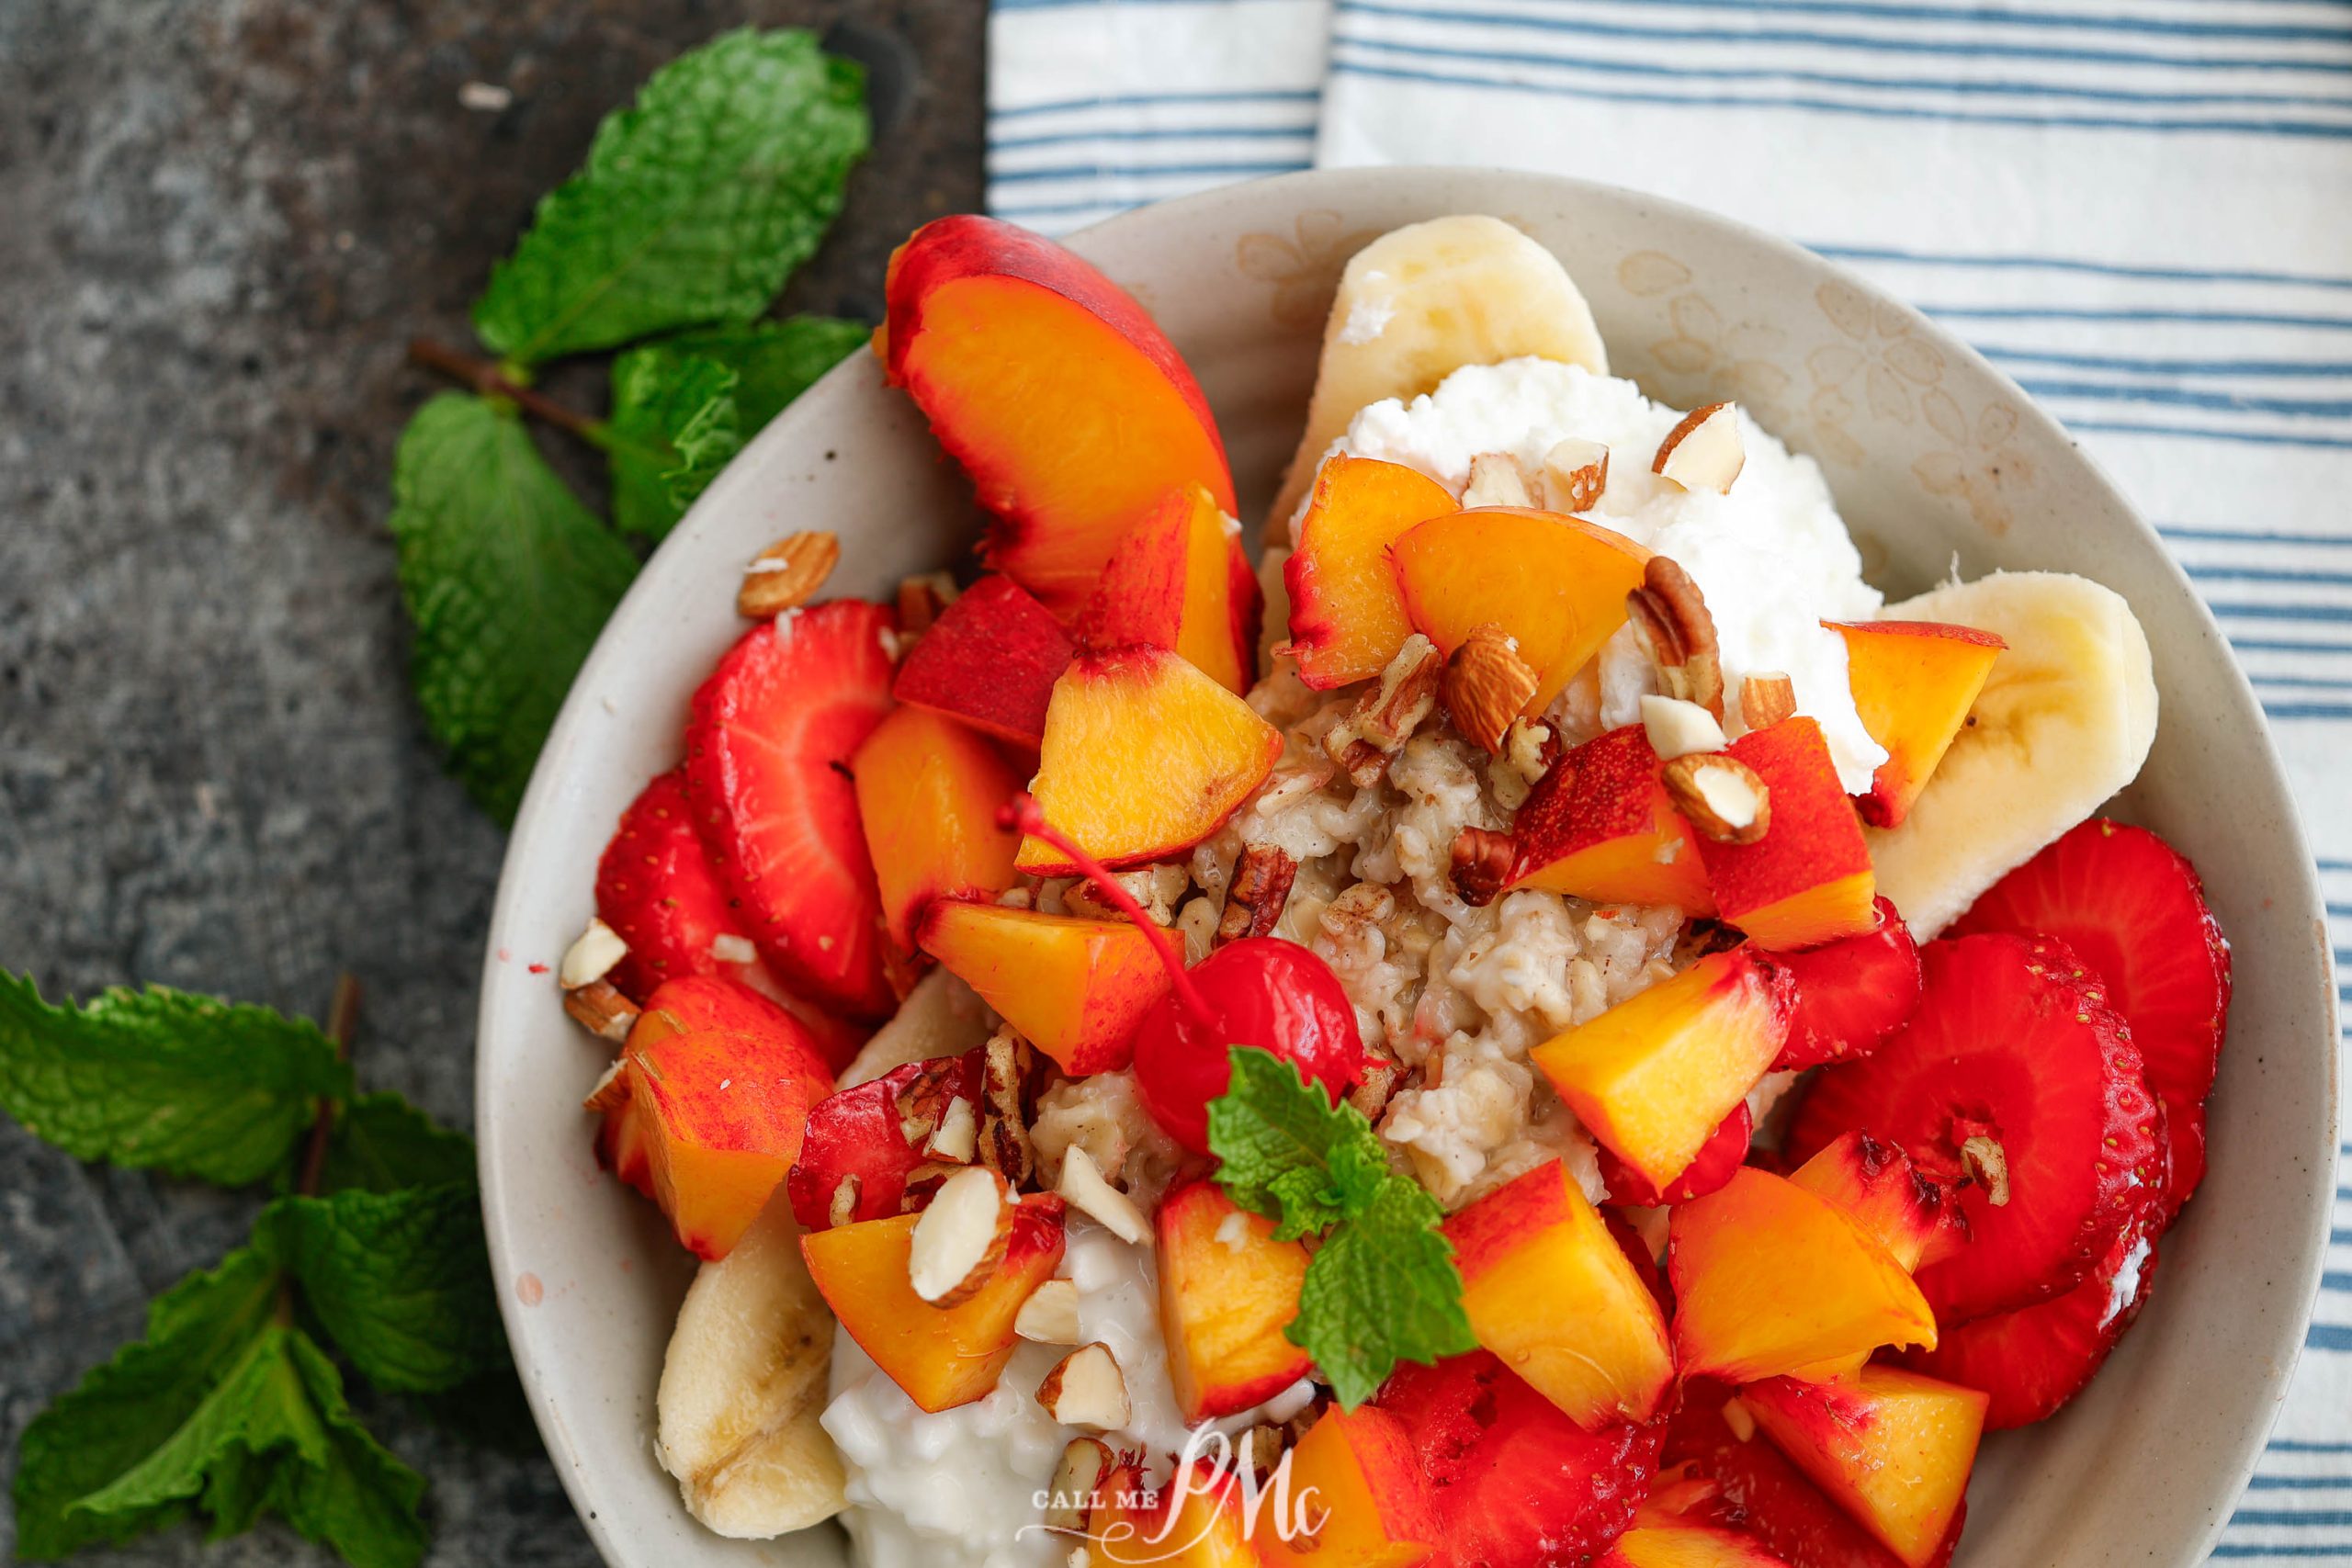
[2141, 209]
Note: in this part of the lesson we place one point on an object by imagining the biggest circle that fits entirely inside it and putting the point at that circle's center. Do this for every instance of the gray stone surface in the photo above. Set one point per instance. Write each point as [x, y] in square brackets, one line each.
[219, 222]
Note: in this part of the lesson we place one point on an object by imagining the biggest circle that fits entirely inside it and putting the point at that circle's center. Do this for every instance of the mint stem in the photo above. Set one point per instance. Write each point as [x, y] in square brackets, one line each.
[488, 378]
[342, 1021]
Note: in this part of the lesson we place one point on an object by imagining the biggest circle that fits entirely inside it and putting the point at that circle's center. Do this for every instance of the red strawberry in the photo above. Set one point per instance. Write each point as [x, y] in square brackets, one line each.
[2034, 1360]
[2015, 1073]
[1851, 994]
[1637, 1252]
[1721, 1155]
[768, 743]
[2133, 909]
[1515, 1482]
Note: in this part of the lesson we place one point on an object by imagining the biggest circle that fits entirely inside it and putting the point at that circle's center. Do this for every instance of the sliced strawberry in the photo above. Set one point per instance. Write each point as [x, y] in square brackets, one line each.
[2034, 1360]
[1515, 1482]
[2014, 1073]
[872, 1137]
[768, 743]
[1851, 994]
[2133, 909]
[1723, 1153]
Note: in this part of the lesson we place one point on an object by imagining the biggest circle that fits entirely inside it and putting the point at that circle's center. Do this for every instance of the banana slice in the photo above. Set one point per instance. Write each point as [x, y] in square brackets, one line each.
[940, 1017]
[2065, 721]
[1422, 301]
[743, 1385]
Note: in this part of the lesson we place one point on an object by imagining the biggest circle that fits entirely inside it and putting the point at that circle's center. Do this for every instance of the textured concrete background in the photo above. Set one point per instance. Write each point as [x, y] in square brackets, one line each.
[219, 222]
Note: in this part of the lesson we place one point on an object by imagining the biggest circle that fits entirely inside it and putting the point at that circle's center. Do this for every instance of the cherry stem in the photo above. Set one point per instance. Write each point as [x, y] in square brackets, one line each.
[1022, 813]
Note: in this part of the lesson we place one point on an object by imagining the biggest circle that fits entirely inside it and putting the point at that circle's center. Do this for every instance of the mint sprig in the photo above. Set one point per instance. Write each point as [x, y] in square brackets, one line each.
[1383, 1287]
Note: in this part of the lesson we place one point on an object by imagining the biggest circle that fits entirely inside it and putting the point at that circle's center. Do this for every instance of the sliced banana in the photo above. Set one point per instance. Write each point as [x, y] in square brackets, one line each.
[1420, 302]
[2065, 721]
[743, 1385]
[940, 1017]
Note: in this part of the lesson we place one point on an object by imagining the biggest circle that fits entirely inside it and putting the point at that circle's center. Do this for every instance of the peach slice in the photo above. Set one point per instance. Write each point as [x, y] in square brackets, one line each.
[928, 791]
[1074, 987]
[709, 1105]
[1892, 1448]
[1556, 583]
[1770, 1279]
[991, 659]
[1808, 879]
[1874, 1182]
[1548, 1289]
[1913, 684]
[1197, 1520]
[1347, 617]
[1143, 757]
[1601, 826]
[1370, 1505]
[1055, 390]
[942, 1356]
[1686, 1545]
[1227, 1289]
[1655, 1075]
[1179, 581]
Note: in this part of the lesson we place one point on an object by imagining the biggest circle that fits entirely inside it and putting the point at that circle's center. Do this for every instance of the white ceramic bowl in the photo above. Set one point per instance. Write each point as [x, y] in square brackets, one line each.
[2142, 1470]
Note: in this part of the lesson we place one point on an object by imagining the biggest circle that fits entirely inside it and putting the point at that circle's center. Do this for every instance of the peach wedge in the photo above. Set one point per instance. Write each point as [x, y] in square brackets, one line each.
[1227, 1289]
[1074, 987]
[1808, 879]
[1892, 1448]
[1601, 826]
[928, 791]
[1874, 1182]
[1143, 757]
[1179, 581]
[1684, 1545]
[991, 659]
[1554, 582]
[1913, 684]
[1373, 1502]
[1347, 617]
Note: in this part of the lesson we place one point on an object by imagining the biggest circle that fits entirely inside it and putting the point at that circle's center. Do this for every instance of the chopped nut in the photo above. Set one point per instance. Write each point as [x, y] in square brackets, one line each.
[1669, 615]
[961, 1238]
[1740, 1419]
[1386, 715]
[1071, 1500]
[956, 1138]
[1575, 473]
[1722, 797]
[1497, 480]
[787, 574]
[1156, 887]
[1987, 1165]
[843, 1208]
[1704, 452]
[1084, 1186]
[922, 1103]
[612, 1090]
[1362, 905]
[1676, 728]
[1766, 700]
[600, 1008]
[1382, 1078]
[1486, 683]
[1086, 1388]
[590, 957]
[1482, 860]
[920, 599]
[1261, 1448]
[1050, 1315]
[1254, 899]
[1004, 1137]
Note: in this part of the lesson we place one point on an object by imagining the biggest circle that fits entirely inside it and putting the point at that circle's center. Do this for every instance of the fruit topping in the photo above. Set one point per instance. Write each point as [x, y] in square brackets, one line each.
[1808, 880]
[1893, 1448]
[1346, 614]
[1227, 1289]
[1724, 1151]
[867, 1144]
[1179, 581]
[1878, 1188]
[991, 659]
[928, 789]
[1913, 684]
[1601, 826]
[1075, 988]
[1852, 993]
[1371, 1506]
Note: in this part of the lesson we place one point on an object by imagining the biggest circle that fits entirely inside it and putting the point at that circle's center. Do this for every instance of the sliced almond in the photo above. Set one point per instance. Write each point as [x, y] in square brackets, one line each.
[1382, 1076]
[1766, 700]
[1083, 1186]
[1481, 864]
[787, 574]
[590, 957]
[1086, 1388]
[612, 1090]
[1486, 684]
[600, 1008]
[961, 1237]
[1575, 473]
[1050, 1315]
[1740, 1419]
[957, 1139]
[1670, 619]
[1705, 452]
[1676, 728]
[1255, 898]
[1497, 480]
[1722, 795]
[1071, 1501]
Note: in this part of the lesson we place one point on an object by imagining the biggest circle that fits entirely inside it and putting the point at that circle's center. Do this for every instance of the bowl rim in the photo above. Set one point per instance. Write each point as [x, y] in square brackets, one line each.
[2299, 1286]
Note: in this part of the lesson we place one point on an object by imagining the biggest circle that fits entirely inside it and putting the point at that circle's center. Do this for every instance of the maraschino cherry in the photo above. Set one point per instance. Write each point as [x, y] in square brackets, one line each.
[1259, 991]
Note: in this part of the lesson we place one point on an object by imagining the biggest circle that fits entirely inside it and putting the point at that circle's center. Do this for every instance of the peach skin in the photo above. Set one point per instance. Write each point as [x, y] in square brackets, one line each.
[1601, 826]
[1143, 757]
[1075, 988]
[991, 659]
[1057, 392]
[1554, 582]
[1686, 1545]
[1808, 879]
[928, 790]
[1893, 1448]
[1548, 1289]
[1770, 1279]
[942, 1356]
[1370, 1505]
[1655, 1075]
[1196, 1521]
[1874, 1182]
[1226, 1295]
[1912, 683]
[1179, 581]
[1347, 616]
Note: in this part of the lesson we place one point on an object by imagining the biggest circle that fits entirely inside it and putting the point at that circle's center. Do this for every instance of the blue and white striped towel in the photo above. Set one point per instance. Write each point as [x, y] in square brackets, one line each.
[2140, 208]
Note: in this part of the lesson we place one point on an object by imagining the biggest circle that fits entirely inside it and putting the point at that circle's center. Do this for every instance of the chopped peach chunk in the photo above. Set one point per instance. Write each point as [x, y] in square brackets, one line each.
[1179, 581]
[1893, 1448]
[1912, 683]
[1371, 1504]
[1601, 826]
[1074, 987]
[928, 792]
[1227, 1289]
[1347, 617]
[1808, 879]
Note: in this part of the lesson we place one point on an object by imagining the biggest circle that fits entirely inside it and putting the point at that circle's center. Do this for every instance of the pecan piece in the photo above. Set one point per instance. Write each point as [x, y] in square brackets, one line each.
[1386, 715]
[1005, 1148]
[1254, 901]
[1669, 615]
[1482, 860]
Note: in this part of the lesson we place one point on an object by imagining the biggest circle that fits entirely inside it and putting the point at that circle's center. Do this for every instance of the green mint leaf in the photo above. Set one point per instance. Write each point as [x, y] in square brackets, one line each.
[508, 579]
[1276, 1138]
[401, 1281]
[1382, 1289]
[185, 1084]
[382, 1144]
[658, 391]
[130, 1407]
[361, 1500]
[695, 203]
